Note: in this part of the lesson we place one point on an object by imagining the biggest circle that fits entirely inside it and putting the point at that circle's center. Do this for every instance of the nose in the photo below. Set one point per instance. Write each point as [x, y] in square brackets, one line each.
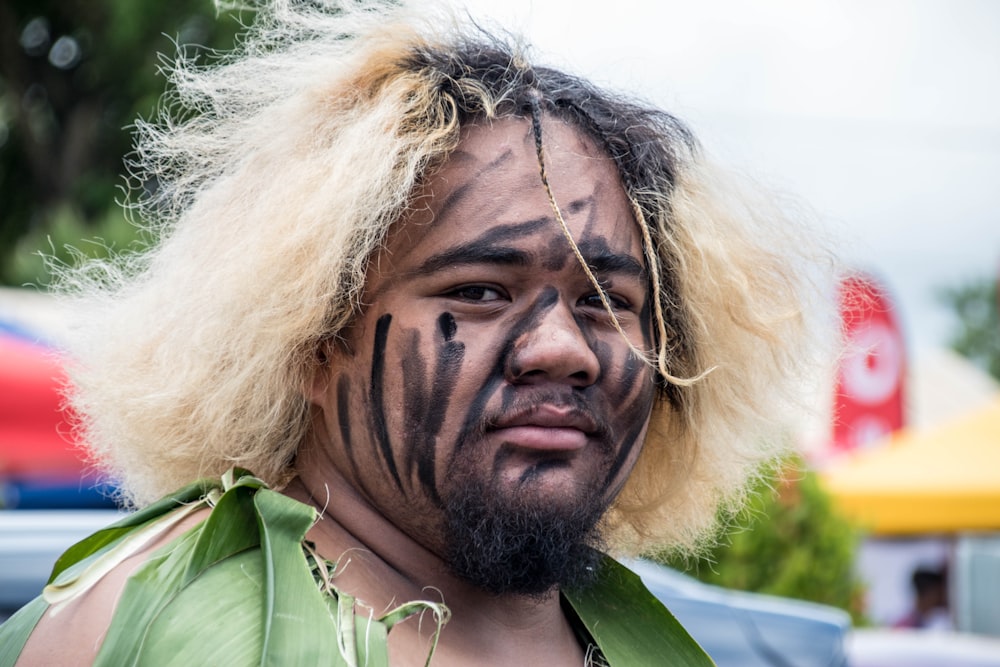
[553, 348]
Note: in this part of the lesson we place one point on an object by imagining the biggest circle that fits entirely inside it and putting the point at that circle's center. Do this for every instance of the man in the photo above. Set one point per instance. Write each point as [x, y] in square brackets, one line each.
[475, 319]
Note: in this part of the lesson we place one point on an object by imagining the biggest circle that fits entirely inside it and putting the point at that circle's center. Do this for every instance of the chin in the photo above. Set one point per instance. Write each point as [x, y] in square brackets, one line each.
[538, 534]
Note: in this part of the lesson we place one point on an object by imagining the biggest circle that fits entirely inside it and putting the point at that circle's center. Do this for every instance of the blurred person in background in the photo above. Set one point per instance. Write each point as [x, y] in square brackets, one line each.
[930, 601]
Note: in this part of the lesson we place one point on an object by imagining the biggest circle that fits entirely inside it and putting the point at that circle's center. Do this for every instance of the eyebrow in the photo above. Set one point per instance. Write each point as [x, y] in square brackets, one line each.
[485, 250]
[610, 262]
[474, 252]
[601, 259]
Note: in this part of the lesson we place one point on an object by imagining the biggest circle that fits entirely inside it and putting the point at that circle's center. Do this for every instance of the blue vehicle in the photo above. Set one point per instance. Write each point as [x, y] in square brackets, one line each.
[30, 542]
[739, 629]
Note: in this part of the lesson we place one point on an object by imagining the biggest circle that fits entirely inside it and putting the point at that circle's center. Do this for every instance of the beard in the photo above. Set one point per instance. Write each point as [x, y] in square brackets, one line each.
[516, 546]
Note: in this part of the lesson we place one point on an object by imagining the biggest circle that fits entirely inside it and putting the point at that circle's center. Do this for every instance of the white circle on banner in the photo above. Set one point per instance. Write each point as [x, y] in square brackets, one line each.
[874, 365]
[869, 429]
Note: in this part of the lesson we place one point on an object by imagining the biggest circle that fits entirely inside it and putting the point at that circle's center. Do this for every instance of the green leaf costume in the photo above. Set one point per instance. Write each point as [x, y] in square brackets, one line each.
[249, 568]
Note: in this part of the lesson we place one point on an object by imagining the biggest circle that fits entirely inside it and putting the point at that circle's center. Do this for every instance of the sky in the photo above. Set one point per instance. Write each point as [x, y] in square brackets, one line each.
[882, 117]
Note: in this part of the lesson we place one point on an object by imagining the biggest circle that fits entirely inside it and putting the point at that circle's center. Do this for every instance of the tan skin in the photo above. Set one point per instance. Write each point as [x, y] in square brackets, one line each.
[477, 300]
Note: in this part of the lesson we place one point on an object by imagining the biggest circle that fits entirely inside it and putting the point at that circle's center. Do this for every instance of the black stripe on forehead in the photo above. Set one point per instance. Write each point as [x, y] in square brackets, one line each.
[457, 195]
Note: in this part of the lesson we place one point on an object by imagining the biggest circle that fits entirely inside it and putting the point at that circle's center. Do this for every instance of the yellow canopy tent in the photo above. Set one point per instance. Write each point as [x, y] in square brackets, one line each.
[944, 479]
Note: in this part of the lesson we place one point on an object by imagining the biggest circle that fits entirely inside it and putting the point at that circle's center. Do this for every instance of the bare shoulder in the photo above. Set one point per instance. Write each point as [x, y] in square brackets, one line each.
[71, 633]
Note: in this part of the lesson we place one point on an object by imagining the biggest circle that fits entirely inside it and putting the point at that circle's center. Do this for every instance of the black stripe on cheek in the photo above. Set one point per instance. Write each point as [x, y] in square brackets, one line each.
[344, 425]
[635, 414]
[426, 403]
[447, 325]
[446, 372]
[343, 414]
[377, 398]
[415, 400]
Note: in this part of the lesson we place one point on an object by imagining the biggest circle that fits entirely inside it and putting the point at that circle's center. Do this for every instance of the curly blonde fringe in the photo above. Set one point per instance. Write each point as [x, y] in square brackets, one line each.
[307, 147]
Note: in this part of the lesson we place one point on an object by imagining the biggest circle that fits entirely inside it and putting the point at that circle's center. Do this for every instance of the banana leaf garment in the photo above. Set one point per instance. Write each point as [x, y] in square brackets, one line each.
[272, 600]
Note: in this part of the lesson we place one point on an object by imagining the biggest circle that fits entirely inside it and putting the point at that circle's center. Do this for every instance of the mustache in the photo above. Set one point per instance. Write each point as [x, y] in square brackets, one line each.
[526, 401]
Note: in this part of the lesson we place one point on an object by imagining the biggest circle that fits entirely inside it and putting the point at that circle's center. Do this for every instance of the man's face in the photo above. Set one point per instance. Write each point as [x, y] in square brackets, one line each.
[484, 376]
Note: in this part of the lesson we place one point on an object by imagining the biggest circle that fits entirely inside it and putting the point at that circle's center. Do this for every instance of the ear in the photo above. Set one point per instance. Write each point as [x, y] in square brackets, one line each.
[317, 385]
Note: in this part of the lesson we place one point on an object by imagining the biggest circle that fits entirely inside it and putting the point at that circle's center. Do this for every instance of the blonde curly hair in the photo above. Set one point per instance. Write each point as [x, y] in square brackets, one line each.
[272, 176]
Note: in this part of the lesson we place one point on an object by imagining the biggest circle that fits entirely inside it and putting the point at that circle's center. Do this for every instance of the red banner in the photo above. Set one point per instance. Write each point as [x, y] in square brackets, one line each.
[868, 399]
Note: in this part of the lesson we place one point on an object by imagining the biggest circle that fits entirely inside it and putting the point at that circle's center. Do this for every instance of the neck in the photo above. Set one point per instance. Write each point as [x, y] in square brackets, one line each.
[383, 566]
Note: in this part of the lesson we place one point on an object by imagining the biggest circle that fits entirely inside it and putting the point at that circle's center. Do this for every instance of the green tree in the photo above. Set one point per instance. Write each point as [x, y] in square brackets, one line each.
[73, 75]
[790, 541]
[977, 334]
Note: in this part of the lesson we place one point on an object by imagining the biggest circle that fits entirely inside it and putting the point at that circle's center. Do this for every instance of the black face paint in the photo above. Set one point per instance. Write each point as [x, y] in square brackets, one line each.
[542, 466]
[507, 543]
[578, 205]
[446, 372]
[461, 192]
[646, 317]
[603, 259]
[426, 403]
[343, 414]
[446, 323]
[634, 414]
[472, 424]
[486, 248]
[415, 401]
[592, 214]
[377, 400]
[557, 253]
[344, 424]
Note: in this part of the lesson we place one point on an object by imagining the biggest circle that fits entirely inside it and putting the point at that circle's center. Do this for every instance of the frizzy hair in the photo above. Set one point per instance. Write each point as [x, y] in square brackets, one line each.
[305, 146]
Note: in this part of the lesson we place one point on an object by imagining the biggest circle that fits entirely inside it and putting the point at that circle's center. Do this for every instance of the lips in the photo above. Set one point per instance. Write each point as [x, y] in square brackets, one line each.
[546, 427]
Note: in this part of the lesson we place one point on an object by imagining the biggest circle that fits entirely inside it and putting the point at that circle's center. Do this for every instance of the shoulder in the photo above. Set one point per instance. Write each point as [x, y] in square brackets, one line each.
[71, 632]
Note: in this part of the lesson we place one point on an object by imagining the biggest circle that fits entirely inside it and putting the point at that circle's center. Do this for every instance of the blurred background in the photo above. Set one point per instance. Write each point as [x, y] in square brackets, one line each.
[880, 121]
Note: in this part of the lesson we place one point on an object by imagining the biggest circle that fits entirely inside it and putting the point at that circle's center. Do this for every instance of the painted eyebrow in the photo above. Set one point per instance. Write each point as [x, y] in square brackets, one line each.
[486, 249]
[609, 262]
[474, 252]
[602, 259]
[482, 251]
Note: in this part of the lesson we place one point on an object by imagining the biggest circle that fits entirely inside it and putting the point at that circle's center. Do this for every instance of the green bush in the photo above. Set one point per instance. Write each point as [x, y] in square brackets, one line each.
[66, 239]
[790, 541]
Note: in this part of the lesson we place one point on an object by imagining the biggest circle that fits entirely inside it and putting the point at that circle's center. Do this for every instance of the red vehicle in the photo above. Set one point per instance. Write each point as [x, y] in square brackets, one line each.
[41, 463]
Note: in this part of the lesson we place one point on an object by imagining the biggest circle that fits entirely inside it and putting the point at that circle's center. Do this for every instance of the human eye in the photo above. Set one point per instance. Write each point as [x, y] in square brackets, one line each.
[477, 293]
[616, 301]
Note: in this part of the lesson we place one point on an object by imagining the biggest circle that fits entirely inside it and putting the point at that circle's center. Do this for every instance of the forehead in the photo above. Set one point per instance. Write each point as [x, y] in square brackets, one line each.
[491, 187]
